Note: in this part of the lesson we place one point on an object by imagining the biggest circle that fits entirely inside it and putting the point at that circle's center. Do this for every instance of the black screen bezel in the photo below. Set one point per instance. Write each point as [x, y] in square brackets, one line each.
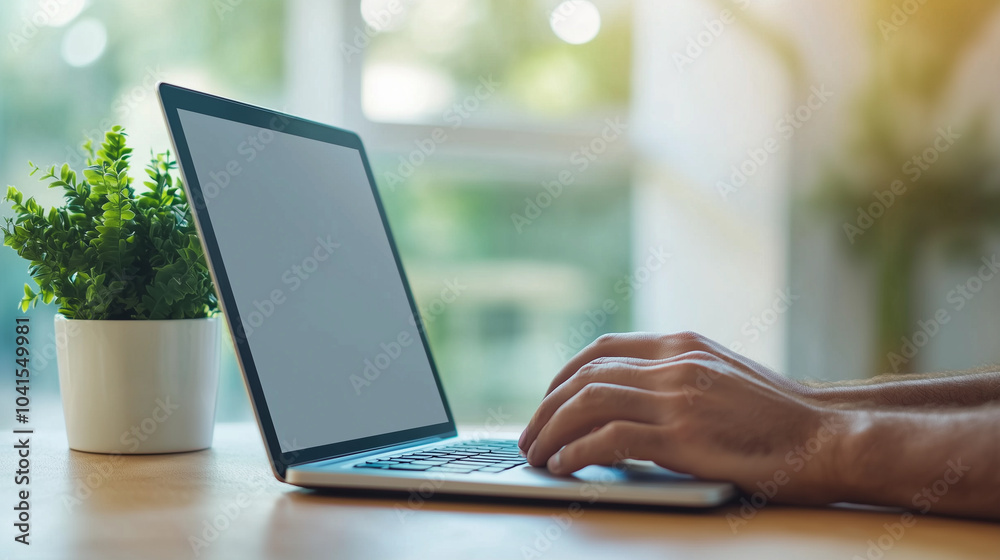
[173, 98]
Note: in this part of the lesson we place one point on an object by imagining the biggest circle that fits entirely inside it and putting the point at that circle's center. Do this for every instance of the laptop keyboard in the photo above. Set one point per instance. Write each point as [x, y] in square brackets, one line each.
[482, 456]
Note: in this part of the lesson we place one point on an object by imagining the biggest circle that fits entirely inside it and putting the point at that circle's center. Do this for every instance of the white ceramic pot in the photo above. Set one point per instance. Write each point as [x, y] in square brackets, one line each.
[138, 386]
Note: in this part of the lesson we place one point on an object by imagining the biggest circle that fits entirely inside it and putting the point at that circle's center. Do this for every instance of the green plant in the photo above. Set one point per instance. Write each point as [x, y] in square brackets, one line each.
[109, 252]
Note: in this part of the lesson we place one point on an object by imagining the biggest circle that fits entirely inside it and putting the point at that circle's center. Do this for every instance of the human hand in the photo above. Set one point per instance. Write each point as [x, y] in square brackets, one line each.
[654, 346]
[689, 405]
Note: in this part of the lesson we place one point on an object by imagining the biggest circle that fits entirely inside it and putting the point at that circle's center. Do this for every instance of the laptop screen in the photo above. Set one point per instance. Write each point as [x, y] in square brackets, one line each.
[320, 300]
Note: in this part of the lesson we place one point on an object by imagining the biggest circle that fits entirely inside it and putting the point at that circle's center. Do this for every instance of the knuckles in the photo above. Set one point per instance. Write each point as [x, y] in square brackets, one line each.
[681, 428]
[597, 363]
[600, 395]
[687, 341]
[699, 356]
[691, 371]
[588, 372]
[596, 370]
[616, 430]
[606, 339]
[594, 394]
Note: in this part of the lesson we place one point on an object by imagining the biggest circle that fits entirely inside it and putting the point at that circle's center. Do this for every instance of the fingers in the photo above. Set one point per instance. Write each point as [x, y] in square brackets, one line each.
[628, 372]
[649, 346]
[593, 407]
[612, 444]
[645, 346]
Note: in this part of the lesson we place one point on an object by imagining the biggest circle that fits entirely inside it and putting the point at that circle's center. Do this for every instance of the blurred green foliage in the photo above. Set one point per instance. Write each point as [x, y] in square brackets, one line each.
[954, 199]
[543, 77]
[493, 350]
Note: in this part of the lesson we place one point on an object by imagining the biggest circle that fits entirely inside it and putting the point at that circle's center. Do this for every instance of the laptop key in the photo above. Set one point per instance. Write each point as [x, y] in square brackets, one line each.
[447, 469]
[460, 456]
[408, 467]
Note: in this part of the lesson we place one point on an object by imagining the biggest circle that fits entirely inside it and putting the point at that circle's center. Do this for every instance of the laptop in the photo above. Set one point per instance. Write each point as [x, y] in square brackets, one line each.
[327, 335]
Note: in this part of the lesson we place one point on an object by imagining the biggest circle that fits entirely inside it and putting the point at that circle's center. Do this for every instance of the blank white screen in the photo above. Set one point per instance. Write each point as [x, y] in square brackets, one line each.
[315, 283]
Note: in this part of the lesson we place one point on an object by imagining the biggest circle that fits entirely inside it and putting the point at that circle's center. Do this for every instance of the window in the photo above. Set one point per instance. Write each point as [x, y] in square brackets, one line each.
[450, 94]
[511, 212]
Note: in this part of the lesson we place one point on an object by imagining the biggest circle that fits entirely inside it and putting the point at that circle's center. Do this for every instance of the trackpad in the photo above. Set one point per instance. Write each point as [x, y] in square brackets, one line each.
[632, 472]
[627, 472]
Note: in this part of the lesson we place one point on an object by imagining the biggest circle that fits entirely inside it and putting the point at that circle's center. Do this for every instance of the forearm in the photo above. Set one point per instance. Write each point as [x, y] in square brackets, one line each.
[930, 462]
[948, 389]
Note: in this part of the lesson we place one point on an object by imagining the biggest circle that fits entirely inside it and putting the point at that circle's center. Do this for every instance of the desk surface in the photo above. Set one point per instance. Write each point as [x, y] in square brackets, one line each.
[225, 503]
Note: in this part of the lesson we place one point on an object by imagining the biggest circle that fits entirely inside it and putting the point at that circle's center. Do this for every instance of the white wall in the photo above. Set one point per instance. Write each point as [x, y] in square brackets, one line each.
[730, 256]
[691, 124]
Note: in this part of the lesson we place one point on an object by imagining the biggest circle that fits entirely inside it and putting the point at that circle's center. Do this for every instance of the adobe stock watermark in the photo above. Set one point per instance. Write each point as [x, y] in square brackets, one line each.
[223, 8]
[30, 25]
[590, 492]
[752, 331]
[455, 116]
[913, 169]
[958, 298]
[786, 128]
[922, 501]
[101, 297]
[705, 378]
[901, 14]
[214, 527]
[373, 367]
[292, 279]
[563, 13]
[697, 44]
[580, 160]
[759, 324]
[215, 182]
[795, 460]
[625, 289]
[121, 107]
[377, 18]
[704, 381]
[132, 439]
[418, 496]
[57, 341]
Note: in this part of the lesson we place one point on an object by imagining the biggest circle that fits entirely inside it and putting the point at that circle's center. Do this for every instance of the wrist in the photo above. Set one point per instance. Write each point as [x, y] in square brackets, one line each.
[855, 396]
[851, 457]
[825, 397]
[826, 455]
[815, 392]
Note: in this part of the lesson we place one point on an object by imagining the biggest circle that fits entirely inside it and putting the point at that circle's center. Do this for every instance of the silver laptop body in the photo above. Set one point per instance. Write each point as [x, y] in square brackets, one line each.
[326, 332]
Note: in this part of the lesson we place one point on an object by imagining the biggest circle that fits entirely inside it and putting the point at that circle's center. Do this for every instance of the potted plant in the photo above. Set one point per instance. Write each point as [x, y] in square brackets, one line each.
[137, 334]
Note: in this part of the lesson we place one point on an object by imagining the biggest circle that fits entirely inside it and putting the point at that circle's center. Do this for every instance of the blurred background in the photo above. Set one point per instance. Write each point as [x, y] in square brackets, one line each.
[815, 184]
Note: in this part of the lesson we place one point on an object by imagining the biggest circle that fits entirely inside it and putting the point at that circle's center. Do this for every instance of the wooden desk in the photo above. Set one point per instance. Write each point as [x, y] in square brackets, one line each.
[89, 506]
